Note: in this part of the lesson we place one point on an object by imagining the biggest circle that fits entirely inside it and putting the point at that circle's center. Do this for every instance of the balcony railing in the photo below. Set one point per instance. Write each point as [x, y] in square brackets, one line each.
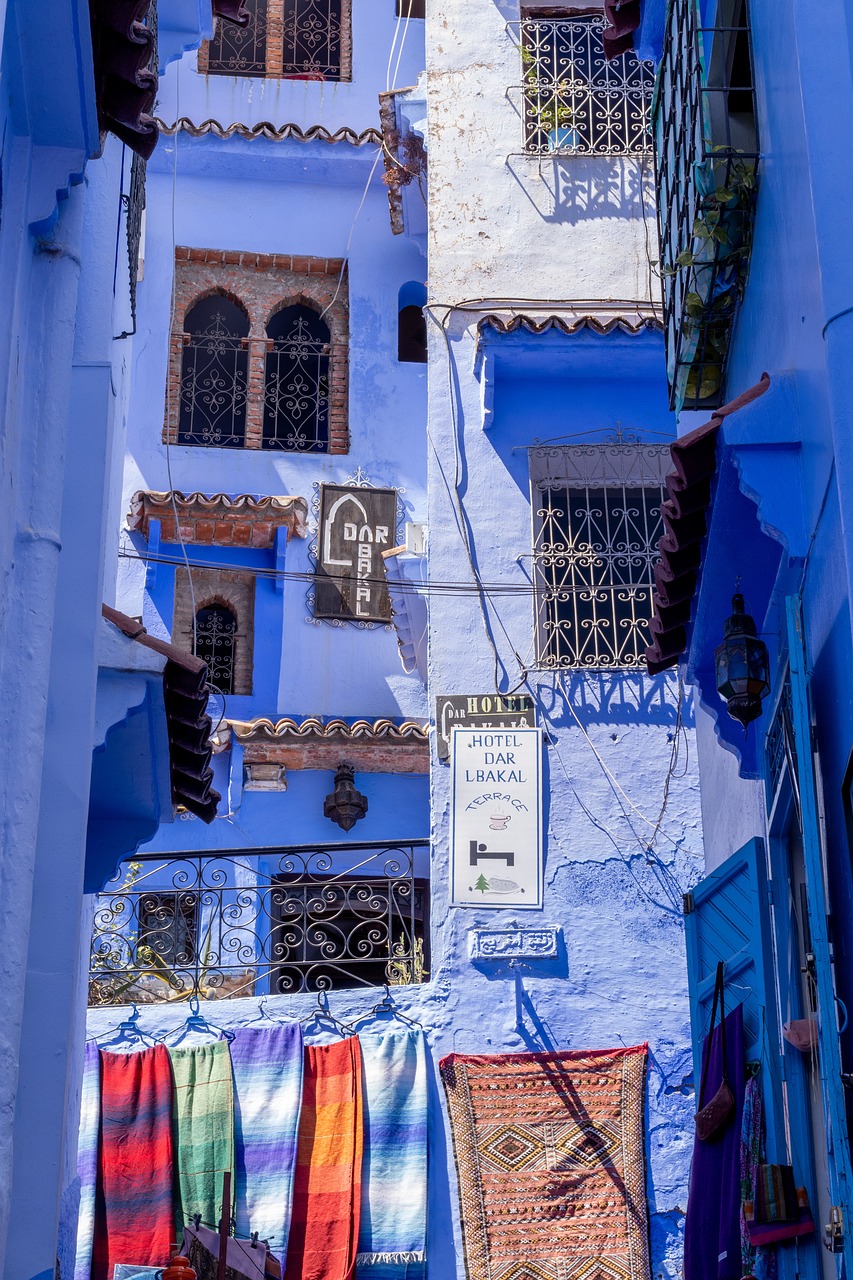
[261, 921]
[706, 159]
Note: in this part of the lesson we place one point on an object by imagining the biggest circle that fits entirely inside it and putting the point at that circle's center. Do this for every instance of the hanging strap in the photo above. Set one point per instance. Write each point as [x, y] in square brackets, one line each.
[719, 996]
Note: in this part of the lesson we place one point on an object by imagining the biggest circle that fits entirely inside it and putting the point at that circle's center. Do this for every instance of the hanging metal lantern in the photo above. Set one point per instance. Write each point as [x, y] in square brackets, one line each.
[345, 805]
[742, 666]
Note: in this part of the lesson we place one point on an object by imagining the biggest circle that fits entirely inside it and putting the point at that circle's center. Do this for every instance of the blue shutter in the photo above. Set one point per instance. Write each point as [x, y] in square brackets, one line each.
[829, 1054]
[727, 917]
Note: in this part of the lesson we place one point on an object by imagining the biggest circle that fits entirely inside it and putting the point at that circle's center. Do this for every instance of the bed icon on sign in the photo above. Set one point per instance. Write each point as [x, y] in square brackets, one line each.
[482, 853]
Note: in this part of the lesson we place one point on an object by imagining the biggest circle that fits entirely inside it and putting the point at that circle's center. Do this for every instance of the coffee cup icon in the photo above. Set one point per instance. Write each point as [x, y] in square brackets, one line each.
[499, 821]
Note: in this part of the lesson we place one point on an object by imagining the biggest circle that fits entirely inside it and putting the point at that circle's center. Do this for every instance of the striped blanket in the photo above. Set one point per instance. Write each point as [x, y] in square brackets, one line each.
[327, 1187]
[392, 1237]
[134, 1210]
[87, 1159]
[267, 1066]
[204, 1130]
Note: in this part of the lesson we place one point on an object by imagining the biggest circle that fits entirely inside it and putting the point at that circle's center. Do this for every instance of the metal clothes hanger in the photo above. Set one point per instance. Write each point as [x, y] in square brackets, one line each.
[130, 1030]
[387, 1005]
[322, 1013]
[196, 1021]
[263, 1014]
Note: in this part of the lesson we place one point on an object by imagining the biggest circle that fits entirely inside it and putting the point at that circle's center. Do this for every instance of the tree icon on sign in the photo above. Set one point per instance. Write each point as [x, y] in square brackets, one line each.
[482, 884]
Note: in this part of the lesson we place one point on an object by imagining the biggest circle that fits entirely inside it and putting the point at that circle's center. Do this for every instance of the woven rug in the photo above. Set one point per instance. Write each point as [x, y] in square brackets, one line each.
[550, 1162]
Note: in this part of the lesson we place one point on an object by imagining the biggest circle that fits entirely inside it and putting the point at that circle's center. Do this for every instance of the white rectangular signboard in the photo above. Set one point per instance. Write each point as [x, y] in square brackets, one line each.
[496, 818]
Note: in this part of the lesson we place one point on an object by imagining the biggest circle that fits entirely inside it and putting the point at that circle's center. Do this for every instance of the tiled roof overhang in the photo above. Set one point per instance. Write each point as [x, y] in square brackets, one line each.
[232, 11]
[265, 129]
[125, 75]
[378, 746]
[627, 320]
[185, 694]
[685, 516]
[623, 19]
[124, 49]
[212, 519]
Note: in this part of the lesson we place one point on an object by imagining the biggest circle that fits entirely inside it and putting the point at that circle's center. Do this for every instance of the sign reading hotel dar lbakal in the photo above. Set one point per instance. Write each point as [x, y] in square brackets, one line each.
[496, 818]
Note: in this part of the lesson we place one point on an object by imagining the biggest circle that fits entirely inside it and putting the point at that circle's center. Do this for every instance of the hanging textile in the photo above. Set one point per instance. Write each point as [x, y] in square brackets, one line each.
[327, 1187]
[550, 1161]
[755, 1261]
[712, 1246]
[87, 1159]
[267, 1066]
[204, 1130]
[133, 1217]
[392, 1236]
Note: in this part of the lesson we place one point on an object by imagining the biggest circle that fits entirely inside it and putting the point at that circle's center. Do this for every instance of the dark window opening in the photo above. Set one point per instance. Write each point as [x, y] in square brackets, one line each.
[215, 639]
[349, 933]
[411, 336]
[240, 51]
[214, 374]
[168, 928]
[312, 39]
[296, 382]
[411, 8]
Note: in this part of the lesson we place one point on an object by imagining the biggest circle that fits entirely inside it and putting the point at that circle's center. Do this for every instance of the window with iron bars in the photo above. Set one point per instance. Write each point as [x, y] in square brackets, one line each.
[296, 382]
[284, 39]
[596, 525]
[240, 51]
[575, 101]
[215, 639]
[706, 161]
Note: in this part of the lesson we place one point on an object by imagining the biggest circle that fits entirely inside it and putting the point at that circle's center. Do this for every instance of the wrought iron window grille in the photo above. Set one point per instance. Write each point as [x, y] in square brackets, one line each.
[780, 751]
[274, 921]
[596, 525]
[216, 638]
[706, 168]
[214, 374]
[575, 101]
[240, 51]
[296, 382]
[313, 31]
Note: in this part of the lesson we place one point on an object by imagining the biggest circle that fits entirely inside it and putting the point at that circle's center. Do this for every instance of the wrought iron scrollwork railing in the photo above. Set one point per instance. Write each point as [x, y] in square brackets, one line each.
[575, 101]
[275, 921]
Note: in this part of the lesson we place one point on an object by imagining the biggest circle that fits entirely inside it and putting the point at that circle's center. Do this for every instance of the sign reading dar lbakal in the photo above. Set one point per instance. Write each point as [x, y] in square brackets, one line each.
[356, 526]
[496, 818]
[481, 711]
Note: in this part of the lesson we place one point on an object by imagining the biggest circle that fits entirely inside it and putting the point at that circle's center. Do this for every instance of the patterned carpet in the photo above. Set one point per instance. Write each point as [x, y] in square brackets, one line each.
[550, 1161]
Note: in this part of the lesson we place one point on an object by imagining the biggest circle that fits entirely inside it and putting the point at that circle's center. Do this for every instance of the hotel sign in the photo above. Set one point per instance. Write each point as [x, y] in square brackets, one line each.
[356, 526]
[496, 818]
[481, 711]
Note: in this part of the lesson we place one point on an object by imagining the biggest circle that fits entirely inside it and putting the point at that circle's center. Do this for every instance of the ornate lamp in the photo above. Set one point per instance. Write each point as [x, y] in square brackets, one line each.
[742, 666]
[345, 805]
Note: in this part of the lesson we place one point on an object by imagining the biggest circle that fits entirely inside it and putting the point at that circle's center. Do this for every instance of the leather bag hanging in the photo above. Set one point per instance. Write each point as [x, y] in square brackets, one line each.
[712, 1118]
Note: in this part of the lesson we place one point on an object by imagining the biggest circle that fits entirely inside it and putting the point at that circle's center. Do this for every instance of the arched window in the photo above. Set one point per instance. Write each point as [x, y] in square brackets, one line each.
[411, 324]
[215, 643]
[296, 382]
[214, 374]
[241, 51]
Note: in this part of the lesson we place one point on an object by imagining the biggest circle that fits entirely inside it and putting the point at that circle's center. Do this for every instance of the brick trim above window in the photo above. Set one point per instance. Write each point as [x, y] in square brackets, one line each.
[218, 520]
[263, 283]
[380, 746]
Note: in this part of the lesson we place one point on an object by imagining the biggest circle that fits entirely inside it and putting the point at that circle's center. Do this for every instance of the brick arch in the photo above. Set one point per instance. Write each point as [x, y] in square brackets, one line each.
[299, 300]
[214, 291]
[230, 590]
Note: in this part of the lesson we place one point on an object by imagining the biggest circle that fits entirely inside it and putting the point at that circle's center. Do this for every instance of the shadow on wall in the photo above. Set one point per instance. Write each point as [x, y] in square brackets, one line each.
[612, 698]
[572, 189]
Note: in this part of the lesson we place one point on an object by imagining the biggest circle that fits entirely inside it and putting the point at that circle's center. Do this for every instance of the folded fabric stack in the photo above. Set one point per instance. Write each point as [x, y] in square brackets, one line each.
[326, 1146]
